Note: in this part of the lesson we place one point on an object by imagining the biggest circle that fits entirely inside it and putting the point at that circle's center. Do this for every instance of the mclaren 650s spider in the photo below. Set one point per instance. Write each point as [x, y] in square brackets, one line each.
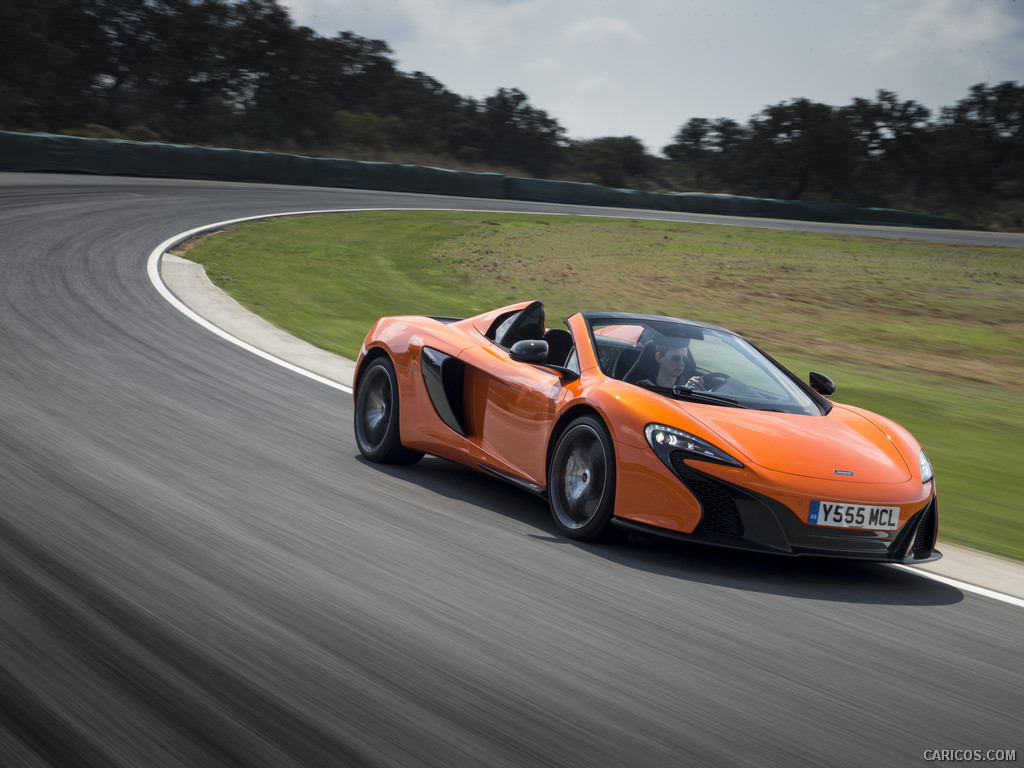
[650, 424]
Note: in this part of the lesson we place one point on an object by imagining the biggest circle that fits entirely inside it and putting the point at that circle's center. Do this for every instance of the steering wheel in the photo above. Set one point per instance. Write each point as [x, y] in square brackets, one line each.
[714, 380]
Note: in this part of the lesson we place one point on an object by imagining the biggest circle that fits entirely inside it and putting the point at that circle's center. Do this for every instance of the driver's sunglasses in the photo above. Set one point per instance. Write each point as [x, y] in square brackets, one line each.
[677, 358]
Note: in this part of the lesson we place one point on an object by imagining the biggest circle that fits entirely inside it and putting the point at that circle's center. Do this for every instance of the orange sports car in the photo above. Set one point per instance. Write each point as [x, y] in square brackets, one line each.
[648, 423]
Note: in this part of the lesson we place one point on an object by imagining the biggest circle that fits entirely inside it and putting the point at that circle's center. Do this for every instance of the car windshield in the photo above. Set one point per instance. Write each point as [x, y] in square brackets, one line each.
[695, 362]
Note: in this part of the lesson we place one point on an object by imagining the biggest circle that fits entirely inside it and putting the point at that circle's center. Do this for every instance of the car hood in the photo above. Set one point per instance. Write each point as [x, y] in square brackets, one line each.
[827, 447]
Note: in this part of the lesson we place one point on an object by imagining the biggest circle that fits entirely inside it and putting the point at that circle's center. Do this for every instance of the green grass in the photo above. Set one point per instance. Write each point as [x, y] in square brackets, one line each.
[931, 335]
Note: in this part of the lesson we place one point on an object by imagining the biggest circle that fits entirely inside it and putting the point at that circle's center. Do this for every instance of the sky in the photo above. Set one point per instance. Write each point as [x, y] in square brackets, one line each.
[644, 67]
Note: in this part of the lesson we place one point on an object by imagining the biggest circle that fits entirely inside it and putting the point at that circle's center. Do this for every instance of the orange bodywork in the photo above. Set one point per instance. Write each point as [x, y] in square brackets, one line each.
[504, 417]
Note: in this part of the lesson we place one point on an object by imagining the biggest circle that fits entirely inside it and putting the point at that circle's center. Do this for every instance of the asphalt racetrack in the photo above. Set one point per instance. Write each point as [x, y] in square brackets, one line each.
[196, 568]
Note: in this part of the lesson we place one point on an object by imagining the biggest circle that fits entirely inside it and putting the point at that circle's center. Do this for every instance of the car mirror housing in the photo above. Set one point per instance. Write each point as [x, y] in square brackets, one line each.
[535, 352]
[821, 384]
[529, 351]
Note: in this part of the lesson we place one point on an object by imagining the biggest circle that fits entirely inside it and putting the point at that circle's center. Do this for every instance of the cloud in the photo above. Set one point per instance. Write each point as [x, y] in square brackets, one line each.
[471, 29]
[465, 28]
[387, 21]
[543, 65]
[948, 27]
[599, 85]
[602, 30]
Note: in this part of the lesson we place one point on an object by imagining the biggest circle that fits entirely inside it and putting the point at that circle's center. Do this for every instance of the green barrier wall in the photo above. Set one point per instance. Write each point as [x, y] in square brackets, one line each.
[71, 154]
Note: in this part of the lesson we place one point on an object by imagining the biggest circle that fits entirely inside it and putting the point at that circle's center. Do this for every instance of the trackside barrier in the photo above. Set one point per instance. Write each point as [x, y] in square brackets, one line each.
[117, 157]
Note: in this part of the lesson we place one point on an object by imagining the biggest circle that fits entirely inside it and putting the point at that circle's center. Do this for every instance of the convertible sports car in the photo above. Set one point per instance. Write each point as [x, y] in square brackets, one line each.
[648, 423]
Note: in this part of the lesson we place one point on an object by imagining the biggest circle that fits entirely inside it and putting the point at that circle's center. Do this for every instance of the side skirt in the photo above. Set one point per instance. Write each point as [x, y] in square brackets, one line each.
[518, 482]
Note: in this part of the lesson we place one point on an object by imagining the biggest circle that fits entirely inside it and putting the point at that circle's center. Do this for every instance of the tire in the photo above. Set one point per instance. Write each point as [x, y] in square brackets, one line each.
[376, 416]
[581, 480]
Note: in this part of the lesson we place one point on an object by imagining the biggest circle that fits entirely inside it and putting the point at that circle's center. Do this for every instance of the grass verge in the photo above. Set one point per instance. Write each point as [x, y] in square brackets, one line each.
[931, 335]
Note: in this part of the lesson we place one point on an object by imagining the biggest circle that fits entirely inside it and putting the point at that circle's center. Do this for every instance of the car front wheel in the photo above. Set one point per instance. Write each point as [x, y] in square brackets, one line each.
[581, 480]
[376, 416]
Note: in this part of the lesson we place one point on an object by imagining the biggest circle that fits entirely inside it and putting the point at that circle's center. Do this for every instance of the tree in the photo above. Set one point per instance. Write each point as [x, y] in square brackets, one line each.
[980, 141]
[45, 84]
[886, 126]
[280, 91]
[692, 141]
[799, 148]
[707, 146]
[611, 161]
[514, 133]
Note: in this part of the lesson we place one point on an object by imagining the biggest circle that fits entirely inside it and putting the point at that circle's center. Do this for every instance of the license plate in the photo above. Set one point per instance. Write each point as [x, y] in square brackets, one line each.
[839, 515]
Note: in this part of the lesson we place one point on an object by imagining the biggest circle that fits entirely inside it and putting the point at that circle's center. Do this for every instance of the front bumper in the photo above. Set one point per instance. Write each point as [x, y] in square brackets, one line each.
[742, 519]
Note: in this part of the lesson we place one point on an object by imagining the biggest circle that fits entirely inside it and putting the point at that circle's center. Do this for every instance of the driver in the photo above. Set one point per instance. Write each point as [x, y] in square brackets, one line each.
[671, 355]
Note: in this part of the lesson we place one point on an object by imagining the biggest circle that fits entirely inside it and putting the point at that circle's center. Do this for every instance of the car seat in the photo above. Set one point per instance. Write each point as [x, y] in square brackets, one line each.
[559, 345]
[624, 363]
[645, 367]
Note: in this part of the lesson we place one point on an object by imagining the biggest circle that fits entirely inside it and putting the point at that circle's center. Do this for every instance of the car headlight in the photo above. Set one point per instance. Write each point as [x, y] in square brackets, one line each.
[926, 469]
[665, 440]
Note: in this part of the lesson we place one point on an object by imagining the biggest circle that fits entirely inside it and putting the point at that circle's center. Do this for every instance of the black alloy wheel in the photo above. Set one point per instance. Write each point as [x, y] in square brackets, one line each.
[376, 416]
[581, 480]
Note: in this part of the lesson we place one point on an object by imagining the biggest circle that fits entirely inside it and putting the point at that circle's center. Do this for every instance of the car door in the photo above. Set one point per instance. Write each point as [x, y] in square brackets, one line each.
[510, 409]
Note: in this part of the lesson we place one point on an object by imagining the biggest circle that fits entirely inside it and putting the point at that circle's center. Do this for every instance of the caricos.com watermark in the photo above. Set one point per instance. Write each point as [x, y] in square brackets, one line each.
[970, 755]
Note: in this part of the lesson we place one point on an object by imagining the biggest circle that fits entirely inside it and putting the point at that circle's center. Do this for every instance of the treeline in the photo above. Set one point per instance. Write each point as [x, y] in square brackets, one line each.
[968, 161]
[242, 74]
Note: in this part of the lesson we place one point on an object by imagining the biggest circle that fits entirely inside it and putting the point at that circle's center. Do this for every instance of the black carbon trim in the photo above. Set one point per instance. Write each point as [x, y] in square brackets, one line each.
[518, 482]
[917, 539]
[444, 377]
[742, 519]
[719, 512]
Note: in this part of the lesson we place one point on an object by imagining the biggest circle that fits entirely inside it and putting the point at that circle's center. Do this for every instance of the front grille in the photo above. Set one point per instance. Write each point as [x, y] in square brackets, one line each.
[721, 515]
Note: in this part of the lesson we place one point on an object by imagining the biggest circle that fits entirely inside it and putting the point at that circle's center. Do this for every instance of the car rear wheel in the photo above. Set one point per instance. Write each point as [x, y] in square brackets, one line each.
[581, 480]
[376, 416]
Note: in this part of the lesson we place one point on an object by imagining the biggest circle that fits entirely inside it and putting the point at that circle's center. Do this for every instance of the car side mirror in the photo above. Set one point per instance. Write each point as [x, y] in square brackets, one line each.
[529, 351]
[822, 384]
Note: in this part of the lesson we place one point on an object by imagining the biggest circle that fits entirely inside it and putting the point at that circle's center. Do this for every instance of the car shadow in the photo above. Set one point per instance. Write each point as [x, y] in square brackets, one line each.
[809, 578]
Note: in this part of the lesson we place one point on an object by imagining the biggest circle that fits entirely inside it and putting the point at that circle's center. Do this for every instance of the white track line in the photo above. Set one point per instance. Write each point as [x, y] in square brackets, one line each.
[153, 268]
[962, 585]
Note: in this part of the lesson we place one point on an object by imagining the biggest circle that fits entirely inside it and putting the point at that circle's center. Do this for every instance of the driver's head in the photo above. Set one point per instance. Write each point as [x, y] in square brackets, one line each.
[671, 355]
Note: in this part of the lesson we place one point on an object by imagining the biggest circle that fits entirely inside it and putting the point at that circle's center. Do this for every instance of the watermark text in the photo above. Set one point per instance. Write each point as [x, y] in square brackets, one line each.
[970, 755]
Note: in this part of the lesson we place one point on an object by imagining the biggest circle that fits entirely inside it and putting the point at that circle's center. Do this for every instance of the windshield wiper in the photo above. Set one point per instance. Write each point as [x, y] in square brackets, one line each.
[700, 396]
[707, 397]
